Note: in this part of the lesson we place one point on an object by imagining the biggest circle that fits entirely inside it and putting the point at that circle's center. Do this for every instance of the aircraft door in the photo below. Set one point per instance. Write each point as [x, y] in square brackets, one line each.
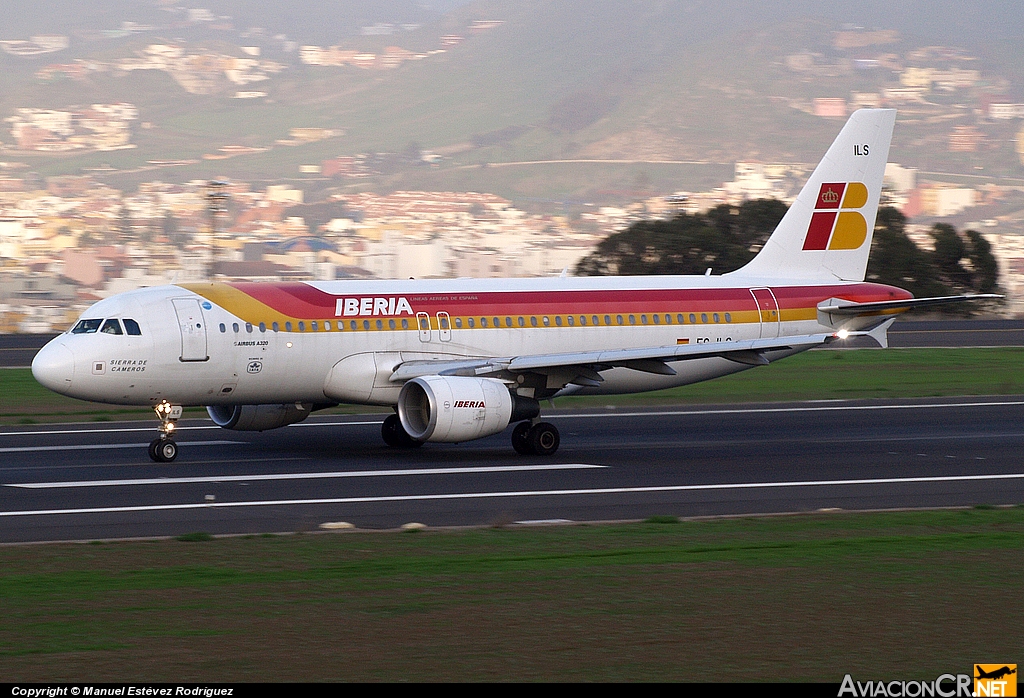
[768, 311]
[444, 327]
[423, 322]
[193, 329]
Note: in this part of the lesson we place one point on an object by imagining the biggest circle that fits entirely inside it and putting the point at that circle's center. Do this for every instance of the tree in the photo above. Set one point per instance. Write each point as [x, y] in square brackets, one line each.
[725, 238]
[895, 259]
[983, 263]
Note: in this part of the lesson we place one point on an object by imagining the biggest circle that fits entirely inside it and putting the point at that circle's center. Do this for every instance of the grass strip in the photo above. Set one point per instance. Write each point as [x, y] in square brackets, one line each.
[806, 597]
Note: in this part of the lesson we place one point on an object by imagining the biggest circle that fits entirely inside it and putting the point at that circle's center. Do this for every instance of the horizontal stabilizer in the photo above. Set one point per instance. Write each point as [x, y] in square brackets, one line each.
[842, 308]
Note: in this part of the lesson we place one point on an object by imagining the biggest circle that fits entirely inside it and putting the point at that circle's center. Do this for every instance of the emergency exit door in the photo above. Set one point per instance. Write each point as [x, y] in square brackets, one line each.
[768, 311]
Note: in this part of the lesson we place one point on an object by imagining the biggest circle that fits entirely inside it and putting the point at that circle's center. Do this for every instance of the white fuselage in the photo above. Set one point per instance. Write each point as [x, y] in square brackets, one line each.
[330, 342]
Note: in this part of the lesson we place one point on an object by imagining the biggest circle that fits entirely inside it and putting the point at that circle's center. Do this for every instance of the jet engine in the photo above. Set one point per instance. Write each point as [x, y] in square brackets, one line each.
[258, 417]
[459, 408]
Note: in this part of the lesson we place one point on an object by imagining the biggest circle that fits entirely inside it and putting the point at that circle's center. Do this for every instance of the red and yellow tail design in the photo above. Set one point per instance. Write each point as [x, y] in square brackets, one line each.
[826, 234]
[833, 229]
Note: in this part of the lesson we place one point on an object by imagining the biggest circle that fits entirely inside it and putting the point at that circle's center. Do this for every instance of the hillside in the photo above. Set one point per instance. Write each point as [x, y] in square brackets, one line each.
[684, 80]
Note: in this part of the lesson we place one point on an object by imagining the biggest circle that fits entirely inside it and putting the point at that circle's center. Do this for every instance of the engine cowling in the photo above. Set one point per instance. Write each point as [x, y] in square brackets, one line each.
[459, 408]
[258, 417]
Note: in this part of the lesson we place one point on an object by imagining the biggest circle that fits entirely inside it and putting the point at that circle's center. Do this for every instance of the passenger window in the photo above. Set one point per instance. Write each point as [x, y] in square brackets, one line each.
[508, 322]
[132, 327]
[703, 317]
[391, 324]
[248, 327]
[693, 318]
[497, 322]
[679, 318]
[263, 327]
[471, 322]
[327, 325]
[547, 321]
[571, 320]
[275, 327]
[657, 319]
[728, 317]
[533, 321]
[583, 319]
[352, 324]
[234, 326]
[111, 326]
[632, 319]
[643, 319]
[380, 325]
[223, 328]
[483, 322]
[715, 317]
[366, 324]
[302, 326]
[558, 320]
[405, 323]
[314, 326]
[521, 321]
[618, 319]
[458, 323]
[608, 319]
[287, 327]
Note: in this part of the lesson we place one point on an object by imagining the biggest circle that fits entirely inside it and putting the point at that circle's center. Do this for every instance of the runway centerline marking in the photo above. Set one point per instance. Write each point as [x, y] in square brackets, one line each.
[517, 493]
[97, 447]
[306, 476]
[577, 415]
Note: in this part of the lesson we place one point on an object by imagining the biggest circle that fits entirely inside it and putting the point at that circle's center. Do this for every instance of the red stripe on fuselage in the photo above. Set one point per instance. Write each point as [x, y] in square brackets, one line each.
[302, 301]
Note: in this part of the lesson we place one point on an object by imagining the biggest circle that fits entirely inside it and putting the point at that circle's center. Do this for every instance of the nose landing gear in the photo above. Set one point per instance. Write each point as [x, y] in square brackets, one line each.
[163, 449]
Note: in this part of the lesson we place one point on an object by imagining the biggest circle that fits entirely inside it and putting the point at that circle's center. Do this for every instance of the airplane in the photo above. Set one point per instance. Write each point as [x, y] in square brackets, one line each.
[994, 674]
[463, 359]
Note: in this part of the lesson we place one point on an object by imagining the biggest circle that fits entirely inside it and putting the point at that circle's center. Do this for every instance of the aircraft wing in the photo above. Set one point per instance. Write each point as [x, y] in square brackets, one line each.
[648, 359]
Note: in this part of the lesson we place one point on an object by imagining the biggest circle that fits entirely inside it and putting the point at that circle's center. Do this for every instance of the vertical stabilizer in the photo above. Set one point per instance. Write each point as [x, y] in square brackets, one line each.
[826, 234]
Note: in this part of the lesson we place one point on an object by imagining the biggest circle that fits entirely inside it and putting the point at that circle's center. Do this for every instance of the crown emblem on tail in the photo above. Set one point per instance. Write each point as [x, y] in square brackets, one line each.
[830, 197]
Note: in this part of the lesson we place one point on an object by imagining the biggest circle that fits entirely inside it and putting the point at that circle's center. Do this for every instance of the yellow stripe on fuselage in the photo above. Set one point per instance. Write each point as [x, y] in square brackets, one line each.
[238, 303]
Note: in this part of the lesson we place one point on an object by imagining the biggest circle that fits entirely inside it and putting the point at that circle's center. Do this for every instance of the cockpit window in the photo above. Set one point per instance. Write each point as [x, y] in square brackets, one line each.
[132, 327]
[111, 326]
[86, 326]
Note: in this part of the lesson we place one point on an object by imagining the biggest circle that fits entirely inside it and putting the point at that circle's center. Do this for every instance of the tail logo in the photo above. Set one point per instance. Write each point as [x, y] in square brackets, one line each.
[833, 226]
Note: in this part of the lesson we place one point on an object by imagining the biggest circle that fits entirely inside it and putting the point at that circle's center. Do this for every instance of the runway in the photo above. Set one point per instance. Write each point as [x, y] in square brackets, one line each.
[95, 481]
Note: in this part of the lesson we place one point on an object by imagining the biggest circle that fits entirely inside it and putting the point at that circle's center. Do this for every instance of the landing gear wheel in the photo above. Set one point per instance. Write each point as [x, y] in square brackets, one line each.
[520, 439]
[543, 439]
[163, 450]
[395, 436]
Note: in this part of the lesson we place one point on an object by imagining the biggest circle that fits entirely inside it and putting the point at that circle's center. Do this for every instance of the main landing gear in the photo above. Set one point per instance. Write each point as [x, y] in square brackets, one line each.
[163, 449]
[540, 439]
[395, 436]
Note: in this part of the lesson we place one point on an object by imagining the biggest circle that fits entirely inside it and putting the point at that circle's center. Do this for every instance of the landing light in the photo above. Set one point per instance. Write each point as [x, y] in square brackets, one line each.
[289, 345]
[843, 334]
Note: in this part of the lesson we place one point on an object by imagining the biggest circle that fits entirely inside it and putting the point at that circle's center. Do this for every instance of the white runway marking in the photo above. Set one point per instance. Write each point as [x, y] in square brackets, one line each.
[577, 415]
[770, 410]
[100, 447]
[523, 493]
[305, 476]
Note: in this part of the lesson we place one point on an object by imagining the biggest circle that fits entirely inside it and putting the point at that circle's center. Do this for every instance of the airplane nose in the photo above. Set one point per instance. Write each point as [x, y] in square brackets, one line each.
[54, 366]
